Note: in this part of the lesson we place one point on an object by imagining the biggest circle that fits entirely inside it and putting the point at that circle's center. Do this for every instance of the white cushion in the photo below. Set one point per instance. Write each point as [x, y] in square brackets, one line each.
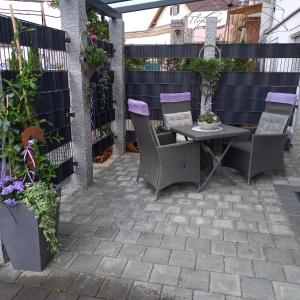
[271, 123]
[178, 119]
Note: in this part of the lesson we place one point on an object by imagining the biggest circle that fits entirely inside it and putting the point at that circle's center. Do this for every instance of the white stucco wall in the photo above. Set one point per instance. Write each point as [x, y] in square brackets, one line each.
[284, 31]
[165, 17]
[158, 39]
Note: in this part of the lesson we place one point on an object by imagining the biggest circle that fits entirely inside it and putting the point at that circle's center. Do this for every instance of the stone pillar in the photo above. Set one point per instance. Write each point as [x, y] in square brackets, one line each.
[117, 38]
[209, 51]
[210, 37]
[73, 21]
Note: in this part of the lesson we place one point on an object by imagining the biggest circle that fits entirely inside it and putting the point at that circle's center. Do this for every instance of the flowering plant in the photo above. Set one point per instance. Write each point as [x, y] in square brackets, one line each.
[11, 191]
[209, 118]
[93, 56]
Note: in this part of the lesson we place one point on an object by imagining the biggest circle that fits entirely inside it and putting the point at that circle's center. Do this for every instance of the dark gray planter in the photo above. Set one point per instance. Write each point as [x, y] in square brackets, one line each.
[23, 240]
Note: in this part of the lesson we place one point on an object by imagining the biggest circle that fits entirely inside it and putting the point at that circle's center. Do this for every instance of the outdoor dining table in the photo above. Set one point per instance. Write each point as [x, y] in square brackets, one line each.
[227, 131]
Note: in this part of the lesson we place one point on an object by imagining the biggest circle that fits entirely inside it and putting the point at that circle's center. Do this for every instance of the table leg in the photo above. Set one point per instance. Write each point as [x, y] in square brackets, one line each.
[217, 160]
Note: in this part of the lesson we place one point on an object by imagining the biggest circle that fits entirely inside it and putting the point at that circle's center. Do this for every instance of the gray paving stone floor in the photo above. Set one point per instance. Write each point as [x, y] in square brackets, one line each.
[229, 242]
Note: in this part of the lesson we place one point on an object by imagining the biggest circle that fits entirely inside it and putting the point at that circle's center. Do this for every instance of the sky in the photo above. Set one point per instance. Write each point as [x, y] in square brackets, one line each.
[134, 21]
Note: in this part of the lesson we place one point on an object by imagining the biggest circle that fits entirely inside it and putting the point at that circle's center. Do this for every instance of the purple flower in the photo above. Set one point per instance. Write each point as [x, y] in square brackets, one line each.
[10, 202]
[19, 187]
[7, 190]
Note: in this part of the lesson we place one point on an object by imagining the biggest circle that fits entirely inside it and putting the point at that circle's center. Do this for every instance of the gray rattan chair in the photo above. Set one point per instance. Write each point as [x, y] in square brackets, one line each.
[176, 108]
[264, 151]
[163, 161]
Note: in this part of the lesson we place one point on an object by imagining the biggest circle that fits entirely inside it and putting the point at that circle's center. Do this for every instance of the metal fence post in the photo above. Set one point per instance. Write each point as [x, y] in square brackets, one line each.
[209, 50]
[117, 38]
[73, 20]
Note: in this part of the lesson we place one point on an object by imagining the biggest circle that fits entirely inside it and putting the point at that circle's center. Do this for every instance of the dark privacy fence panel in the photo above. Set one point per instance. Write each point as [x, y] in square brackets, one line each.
[38, 36]
[102, 111]
[227, 50]
[53, 105]
[147, 86]
[240, 97]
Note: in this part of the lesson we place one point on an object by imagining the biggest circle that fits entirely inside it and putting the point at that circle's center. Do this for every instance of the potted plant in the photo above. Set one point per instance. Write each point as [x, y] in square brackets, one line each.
[28, 201]
[28, 223]
[209, 121]
[92, 58]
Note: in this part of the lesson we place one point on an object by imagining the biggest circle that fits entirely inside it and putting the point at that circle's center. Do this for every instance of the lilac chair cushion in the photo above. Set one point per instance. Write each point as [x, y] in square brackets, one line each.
[177, 97]
[283, 98]
[138, 107]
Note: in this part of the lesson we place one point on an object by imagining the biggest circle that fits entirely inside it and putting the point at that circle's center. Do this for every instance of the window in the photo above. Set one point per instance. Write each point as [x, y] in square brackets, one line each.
[174, 10]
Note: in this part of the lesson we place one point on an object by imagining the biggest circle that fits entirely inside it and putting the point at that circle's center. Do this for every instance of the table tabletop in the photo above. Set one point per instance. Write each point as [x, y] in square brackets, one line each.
[227, 132]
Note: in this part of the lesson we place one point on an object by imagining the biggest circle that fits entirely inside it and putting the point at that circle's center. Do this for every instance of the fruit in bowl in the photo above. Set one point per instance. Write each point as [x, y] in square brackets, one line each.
[209, 121]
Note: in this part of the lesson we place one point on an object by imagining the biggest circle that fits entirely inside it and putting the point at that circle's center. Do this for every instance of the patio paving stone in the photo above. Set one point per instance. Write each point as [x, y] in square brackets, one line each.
[157, 255]
[111, 266]
[257, 288]
[228, 284]
[144, 291]
[137, 271]
[87, 284]
[165, 274]
[115, 288]
[266, 270]
[194, 279]
[234, 265]
[230, 241]
[32, 293]
[183, 258]
[9, 290]
[175, 293]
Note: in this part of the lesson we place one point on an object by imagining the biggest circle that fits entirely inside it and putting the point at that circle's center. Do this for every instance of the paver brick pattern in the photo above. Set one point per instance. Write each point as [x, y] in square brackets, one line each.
[228, 242]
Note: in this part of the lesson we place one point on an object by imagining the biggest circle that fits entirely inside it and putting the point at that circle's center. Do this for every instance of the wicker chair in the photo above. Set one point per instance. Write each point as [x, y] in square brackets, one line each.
[162, 161]
[264, 151]
[176, 110]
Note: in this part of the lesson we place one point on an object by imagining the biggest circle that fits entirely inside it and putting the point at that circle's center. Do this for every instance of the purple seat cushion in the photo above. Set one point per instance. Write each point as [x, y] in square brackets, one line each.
[177, 97]
[283, 98]
[138, 107]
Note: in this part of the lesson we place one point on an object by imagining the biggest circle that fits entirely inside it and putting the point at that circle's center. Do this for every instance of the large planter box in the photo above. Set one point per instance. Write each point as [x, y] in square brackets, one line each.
[23, 240]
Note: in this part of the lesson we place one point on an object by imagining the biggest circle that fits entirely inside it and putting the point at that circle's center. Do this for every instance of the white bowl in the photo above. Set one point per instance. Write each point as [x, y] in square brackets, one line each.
[207, 126]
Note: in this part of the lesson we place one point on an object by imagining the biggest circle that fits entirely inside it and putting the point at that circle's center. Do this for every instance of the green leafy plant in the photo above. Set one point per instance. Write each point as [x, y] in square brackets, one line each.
[237, 65]
[54, 3]
[34, 62]
[96, 26]
[209, 118]
[94, 56]
[135, 64]
[41, 198]
[210, 70]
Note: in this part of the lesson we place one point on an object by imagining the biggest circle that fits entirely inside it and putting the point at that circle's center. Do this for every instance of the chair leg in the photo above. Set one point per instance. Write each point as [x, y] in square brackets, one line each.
[156, 194]
[249, 181]
[137, 179]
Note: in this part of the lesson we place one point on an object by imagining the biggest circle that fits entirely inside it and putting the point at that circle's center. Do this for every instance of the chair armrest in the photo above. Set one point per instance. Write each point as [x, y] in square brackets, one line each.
[182, 145]
[268, 143]
[166, 138]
